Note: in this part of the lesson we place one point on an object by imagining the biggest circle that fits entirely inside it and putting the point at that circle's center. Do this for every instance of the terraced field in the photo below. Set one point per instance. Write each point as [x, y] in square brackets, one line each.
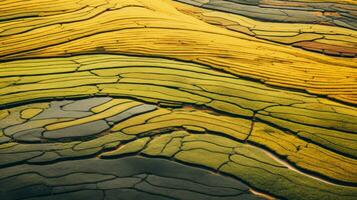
[186, 99]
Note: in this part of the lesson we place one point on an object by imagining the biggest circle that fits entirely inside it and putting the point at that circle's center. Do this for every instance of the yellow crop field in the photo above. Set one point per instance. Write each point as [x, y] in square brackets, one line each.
[186, 99]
